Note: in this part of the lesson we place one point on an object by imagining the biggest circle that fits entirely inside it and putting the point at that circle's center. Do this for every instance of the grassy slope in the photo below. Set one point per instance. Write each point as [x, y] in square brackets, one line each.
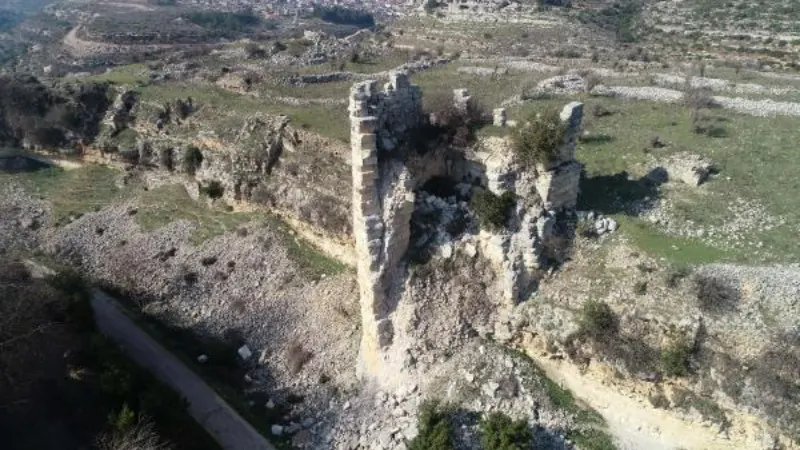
[326, 121]
[72, 192]
[166, 204]
[758, 155]
[442, 80]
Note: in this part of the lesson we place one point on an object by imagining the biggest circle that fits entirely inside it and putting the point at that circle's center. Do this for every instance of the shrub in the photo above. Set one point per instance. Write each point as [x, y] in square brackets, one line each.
[701, 69]
[435, 432]
[499, 432]
[675, 359]
[597, 320]
[456, 126]
[192, 159]
[674, 277]
[592, 81]
[539, 140]
[165, 159]
[129, 155]
[254, 51]
[640, 288]
[714, 294]
[139, 436]
[697, 98]
[122, 420]
[213, 190]
[48, 137]
[655, 142]
[586, 229]
[493, 212]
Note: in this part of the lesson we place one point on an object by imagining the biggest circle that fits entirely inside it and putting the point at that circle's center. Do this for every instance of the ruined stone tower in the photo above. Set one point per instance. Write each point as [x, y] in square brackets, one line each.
[382, 120]
[383, 201]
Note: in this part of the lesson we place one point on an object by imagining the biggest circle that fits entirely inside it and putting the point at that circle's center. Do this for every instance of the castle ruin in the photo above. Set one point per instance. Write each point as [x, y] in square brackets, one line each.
[383, 121]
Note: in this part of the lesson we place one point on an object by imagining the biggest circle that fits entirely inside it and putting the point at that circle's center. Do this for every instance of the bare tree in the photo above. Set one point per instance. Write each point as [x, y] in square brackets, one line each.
[141, 436]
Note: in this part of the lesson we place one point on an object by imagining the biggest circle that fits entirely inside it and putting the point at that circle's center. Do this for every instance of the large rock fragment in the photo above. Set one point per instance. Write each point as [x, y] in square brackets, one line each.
[689, 168]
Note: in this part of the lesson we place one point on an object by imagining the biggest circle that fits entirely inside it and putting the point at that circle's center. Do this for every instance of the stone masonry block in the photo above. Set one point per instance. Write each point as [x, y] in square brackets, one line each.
[364, 141]
[572, 116]
[398, 80]
[365, 125]
[558, 188]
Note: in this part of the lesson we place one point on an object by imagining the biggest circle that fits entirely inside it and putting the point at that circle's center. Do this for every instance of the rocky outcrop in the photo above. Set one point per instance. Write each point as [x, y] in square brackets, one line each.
[688, 168]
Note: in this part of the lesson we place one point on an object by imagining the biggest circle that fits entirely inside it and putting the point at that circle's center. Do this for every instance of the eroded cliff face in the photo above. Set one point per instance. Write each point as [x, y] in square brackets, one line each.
[723, 372]
[264, 160]
[38, 116]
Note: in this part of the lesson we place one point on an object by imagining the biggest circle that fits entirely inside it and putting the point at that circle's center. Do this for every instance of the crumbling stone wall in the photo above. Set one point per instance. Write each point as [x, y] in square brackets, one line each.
[383, 203]
[557, 183]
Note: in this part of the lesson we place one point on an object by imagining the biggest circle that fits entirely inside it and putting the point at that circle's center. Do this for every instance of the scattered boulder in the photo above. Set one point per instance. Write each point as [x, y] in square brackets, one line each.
[244, 352]
[691, 169]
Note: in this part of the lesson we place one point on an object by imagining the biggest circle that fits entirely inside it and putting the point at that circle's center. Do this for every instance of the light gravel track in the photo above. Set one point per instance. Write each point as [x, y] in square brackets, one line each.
[221, 421]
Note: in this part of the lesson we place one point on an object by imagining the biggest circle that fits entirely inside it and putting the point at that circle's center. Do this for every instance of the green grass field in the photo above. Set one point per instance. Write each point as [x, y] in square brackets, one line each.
[72, 192]
[166, 204]
[490, 93]
[756, 158]
[132, 74]
[231, 109]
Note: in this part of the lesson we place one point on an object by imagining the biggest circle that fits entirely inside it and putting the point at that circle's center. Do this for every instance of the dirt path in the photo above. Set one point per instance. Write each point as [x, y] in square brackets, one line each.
[635, 425]
[229, 429]
[78, 47]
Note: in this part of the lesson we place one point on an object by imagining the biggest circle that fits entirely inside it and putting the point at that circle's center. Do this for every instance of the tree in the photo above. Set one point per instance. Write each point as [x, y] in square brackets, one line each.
[435, 432]
[539, 140]
[139, 436]
[499, 432]
[597, 319]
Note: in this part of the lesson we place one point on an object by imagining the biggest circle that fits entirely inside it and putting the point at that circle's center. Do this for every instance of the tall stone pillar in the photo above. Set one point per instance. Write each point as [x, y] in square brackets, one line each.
[383, 202]
[558, 182]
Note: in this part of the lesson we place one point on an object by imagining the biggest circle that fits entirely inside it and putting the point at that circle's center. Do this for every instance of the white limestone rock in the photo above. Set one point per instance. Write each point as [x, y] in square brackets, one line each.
[245, 353]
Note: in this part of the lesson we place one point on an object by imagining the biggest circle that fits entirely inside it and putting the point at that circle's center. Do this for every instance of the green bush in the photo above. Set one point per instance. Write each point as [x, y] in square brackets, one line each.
[597, 319]
[675, 359]
[493, 212]
[538, 141]
[435, 432]
[715, 294]
[123, 420]
[192, 159]
[213, 190]
[499, 432]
